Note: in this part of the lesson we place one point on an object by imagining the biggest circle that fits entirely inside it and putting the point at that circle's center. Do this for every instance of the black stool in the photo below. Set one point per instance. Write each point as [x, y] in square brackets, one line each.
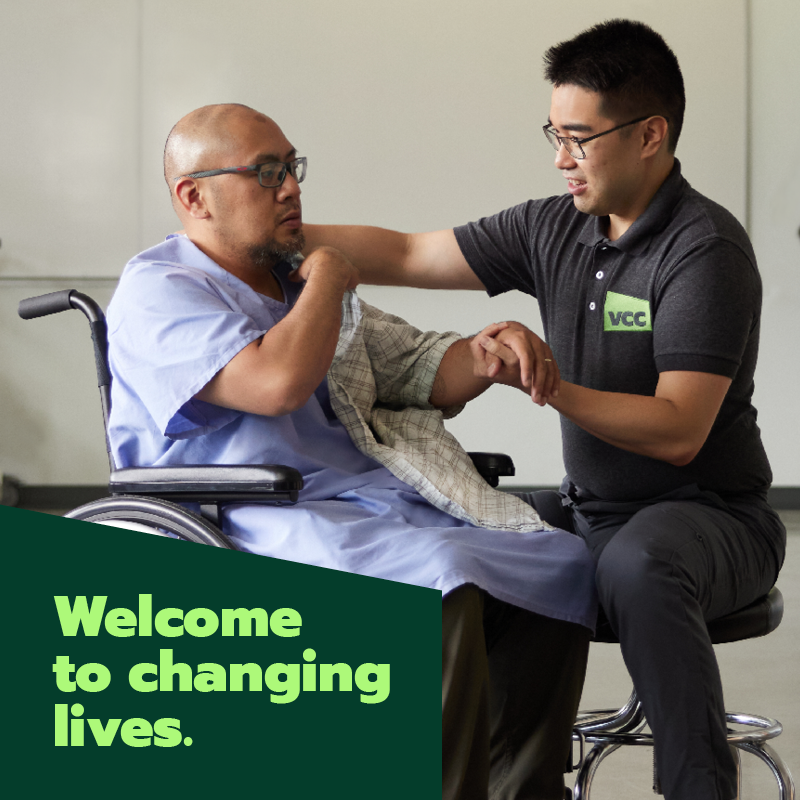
[607, 730]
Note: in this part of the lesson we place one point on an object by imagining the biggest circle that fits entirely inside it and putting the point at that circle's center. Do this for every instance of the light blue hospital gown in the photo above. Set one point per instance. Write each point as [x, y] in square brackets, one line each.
[175, 320]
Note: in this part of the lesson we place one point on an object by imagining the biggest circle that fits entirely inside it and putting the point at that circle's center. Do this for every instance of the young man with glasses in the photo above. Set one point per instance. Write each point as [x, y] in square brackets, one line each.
[650, 299]
[218, 357]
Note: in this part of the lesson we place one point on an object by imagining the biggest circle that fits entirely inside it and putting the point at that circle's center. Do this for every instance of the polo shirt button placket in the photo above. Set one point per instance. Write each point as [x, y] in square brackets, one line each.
[599, 275]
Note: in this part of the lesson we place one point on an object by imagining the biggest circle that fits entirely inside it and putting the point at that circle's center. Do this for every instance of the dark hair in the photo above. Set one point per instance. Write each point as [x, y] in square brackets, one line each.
[629, 65]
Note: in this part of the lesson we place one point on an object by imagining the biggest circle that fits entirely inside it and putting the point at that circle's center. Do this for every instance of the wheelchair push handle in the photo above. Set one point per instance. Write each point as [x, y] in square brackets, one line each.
[55, 302]
[41, 306]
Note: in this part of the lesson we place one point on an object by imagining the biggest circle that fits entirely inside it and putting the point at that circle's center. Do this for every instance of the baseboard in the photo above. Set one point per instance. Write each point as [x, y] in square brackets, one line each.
[785, 498]
[65, 497]
[55, 498]
[781, 498]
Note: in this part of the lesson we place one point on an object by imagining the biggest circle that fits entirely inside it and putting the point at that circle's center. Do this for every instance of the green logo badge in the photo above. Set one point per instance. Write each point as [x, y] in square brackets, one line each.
[625, 313]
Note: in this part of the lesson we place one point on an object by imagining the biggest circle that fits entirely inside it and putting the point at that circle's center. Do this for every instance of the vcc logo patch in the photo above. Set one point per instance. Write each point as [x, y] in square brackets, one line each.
[624, 313]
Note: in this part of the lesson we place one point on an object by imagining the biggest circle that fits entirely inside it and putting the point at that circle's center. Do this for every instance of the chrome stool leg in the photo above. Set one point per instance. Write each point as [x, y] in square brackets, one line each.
[737, 757]
[608, 730]
[599, 728]
[754, 741]
[588, 767]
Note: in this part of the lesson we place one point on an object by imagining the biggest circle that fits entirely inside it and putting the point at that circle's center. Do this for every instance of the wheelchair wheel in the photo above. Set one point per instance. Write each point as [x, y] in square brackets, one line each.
[155, 512]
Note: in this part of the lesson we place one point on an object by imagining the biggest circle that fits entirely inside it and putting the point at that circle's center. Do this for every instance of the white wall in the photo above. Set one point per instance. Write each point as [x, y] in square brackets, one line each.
[775, 226]
[392, 102]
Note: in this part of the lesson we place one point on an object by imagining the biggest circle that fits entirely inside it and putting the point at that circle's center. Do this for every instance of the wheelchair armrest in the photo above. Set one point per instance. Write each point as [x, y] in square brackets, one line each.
[209, 484]
[492, 465]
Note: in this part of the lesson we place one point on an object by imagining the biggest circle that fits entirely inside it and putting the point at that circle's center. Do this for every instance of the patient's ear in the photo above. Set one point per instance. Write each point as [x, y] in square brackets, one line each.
[189, 199]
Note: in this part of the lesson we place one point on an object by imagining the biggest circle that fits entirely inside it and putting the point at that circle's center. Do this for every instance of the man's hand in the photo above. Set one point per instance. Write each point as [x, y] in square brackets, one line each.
[516, 356]
[327, 258]
[500, 366]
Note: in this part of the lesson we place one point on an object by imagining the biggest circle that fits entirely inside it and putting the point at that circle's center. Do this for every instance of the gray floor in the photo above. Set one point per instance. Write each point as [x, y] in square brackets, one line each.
[760, 677]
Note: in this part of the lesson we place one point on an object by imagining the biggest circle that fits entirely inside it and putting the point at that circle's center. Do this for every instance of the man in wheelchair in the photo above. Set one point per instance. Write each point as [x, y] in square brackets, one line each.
[221, 355]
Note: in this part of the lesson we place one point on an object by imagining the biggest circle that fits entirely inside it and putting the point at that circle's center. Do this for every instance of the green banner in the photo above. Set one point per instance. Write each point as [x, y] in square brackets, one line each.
[140, 666]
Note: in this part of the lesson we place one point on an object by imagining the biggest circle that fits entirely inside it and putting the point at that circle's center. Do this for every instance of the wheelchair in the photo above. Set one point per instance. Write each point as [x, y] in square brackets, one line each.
[151, 498]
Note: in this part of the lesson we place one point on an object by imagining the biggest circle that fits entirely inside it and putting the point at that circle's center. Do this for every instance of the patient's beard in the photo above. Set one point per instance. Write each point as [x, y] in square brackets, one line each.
[269, 254]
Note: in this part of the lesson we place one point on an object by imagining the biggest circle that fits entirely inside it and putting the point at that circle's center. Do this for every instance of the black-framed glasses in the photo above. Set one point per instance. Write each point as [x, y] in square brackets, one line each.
[574, 144]
[271, 174]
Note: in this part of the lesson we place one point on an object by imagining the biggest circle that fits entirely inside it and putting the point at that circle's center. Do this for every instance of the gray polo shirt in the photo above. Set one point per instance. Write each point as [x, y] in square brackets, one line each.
[680, 290]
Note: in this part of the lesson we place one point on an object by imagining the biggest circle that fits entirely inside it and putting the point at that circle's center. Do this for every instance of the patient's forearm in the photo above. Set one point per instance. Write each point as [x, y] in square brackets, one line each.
[456, 382]
[278, 373]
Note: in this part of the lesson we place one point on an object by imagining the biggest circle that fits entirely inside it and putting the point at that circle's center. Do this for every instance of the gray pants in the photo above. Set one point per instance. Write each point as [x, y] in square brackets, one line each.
[511, 682]
[665, 567]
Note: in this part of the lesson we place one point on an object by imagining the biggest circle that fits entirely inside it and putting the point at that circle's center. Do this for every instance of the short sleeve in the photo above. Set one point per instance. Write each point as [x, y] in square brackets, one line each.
[498, 249]
[171, 329]
[707, 309]
[403, 360]
[513, 249]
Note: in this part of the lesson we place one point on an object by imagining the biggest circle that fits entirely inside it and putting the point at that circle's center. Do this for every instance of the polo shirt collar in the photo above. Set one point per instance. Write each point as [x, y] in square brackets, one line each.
[636, 239]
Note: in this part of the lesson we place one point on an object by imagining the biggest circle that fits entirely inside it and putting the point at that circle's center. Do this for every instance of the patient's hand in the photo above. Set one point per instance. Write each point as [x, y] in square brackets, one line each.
[326, 258]
[516, 356]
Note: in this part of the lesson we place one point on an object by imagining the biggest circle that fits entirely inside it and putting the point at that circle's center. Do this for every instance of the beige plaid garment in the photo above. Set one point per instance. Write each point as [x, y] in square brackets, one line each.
[380, 381]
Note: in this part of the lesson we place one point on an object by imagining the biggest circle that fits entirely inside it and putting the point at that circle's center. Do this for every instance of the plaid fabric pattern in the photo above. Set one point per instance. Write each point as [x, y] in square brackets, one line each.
[380, 381]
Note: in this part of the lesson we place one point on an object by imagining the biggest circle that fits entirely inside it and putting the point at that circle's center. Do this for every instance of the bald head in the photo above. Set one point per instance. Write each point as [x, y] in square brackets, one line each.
[204, 138]
[236, 221]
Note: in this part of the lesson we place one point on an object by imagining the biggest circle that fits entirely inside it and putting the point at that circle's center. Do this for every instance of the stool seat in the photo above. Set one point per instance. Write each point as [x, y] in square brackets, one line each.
[758, 618]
